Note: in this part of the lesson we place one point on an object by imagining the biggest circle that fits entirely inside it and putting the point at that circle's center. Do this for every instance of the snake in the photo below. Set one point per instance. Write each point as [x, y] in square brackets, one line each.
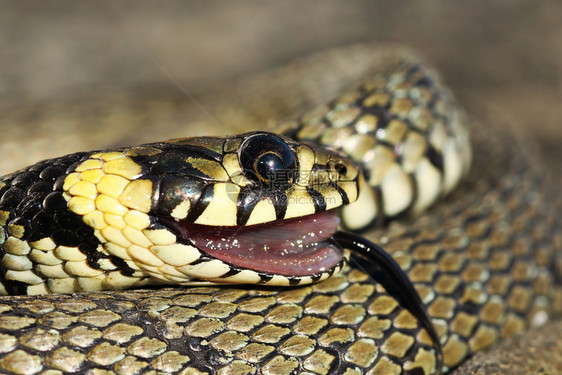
[235, 254]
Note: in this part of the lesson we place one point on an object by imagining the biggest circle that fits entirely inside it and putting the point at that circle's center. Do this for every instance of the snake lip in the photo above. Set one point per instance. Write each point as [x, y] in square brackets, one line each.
[294, 247]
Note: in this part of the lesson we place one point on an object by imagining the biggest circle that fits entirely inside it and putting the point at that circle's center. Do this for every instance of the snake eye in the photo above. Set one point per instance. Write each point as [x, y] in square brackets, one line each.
[267, 158]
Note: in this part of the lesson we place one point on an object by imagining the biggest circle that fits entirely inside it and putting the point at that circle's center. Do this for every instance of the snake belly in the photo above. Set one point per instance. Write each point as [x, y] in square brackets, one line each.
[482, 259]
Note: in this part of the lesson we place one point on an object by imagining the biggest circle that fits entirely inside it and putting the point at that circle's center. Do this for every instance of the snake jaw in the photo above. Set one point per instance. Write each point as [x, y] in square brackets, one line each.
[294, 248]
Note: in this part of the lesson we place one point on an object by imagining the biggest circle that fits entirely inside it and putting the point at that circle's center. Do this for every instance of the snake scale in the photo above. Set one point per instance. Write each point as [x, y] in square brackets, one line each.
[485, 259]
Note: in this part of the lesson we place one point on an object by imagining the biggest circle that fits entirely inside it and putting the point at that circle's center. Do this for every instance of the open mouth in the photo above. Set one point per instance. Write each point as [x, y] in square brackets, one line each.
[294, 247]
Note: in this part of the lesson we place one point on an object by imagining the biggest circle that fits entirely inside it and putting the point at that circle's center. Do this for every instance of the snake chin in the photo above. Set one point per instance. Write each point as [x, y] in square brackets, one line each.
[294, 247]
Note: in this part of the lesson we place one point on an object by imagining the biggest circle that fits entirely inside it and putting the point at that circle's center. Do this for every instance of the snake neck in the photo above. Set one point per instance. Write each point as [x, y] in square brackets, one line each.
[405, 129]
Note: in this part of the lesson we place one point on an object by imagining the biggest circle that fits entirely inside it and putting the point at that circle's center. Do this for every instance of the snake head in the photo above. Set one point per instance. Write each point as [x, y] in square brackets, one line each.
[260, 178]
[265, 209]
[254, 208]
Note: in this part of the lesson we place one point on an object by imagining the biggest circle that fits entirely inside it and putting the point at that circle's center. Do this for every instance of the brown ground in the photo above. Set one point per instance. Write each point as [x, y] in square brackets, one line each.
[537, 352]
[507, 55]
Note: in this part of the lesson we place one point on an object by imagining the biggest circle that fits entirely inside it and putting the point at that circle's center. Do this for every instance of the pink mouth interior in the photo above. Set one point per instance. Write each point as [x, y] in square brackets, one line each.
[295, 247]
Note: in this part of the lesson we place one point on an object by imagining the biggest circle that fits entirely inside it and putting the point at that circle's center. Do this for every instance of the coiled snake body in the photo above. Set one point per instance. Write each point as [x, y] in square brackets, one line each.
[257, 208]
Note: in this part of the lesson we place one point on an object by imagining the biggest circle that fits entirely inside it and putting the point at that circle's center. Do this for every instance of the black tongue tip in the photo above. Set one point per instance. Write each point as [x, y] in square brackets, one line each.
[383, 268]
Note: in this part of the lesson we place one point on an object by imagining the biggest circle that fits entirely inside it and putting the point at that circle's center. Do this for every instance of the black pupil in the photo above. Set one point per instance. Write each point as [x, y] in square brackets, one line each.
[266, 158]
[270, 166]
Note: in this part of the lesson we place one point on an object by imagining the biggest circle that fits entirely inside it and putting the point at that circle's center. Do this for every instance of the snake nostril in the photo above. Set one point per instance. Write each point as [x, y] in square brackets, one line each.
[340, 168]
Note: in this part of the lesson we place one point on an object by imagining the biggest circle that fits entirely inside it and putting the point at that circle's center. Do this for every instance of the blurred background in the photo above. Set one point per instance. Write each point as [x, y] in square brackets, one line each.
[507, 54]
